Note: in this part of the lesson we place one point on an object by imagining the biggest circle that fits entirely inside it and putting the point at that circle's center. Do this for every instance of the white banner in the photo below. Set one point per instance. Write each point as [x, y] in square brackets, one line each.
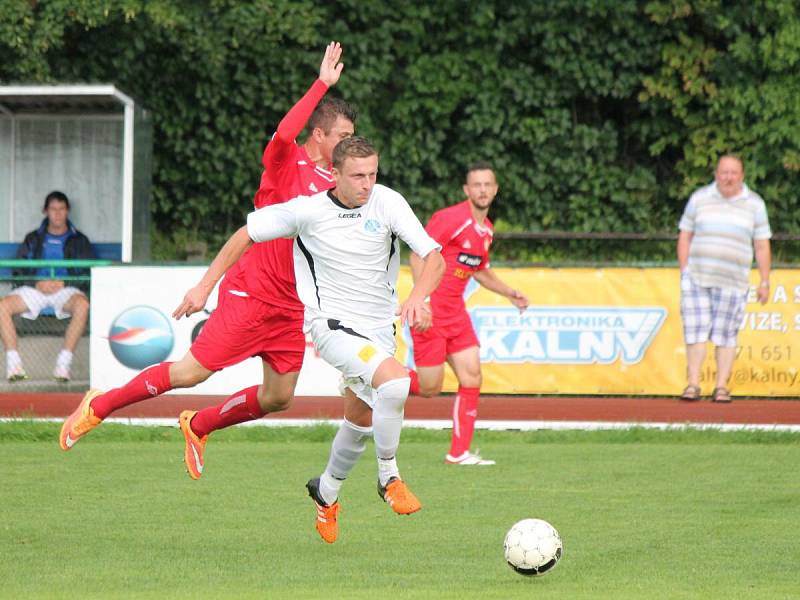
[131, 328]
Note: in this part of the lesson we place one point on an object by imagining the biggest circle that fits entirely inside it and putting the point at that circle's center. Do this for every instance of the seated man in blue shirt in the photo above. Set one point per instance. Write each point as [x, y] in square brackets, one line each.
[55, 239]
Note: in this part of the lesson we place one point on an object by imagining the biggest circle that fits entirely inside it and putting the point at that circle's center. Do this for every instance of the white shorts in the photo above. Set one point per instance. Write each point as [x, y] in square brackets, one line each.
[36, 301]
[356, 353]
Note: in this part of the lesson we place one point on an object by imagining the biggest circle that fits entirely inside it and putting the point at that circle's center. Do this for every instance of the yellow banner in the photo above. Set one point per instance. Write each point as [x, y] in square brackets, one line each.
[618, 331]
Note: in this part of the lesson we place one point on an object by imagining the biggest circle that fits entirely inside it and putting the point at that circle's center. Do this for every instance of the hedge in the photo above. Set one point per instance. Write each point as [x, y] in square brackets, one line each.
[599, 115]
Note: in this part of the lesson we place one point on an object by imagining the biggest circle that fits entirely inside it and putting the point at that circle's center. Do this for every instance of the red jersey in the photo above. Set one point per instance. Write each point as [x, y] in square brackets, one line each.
[266, 271]
[465, 248]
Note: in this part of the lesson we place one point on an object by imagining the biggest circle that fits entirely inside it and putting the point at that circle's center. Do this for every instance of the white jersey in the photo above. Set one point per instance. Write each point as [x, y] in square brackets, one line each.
[346, 260]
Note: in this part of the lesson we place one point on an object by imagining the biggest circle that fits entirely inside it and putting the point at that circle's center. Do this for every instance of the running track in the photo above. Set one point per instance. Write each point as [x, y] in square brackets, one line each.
[493, 410]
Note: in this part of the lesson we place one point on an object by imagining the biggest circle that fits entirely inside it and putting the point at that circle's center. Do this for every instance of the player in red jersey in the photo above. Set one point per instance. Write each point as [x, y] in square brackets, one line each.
[465, 233]
[258, 312]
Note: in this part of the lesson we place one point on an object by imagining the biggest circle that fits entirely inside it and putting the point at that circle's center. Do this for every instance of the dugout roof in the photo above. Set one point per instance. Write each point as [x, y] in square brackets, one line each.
[93, 142]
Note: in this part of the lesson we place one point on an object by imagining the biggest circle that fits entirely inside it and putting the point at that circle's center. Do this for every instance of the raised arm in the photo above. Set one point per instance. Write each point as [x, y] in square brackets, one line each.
[295, 120]
[196, 298]
[489, 279]
[331, 68]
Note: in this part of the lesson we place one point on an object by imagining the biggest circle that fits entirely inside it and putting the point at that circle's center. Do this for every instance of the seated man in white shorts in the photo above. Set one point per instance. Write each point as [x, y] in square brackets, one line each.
[346, 260]
[55, 239]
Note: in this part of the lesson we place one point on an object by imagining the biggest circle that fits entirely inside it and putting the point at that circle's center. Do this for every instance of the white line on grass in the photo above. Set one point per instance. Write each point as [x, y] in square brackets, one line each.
[446, 424]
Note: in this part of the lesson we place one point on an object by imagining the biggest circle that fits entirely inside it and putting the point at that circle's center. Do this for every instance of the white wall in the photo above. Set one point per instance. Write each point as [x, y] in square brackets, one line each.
[5, 178]
[80, 156]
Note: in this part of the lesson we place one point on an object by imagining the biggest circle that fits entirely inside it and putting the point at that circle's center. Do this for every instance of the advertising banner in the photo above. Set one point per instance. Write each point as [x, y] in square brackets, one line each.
[587, 331]
[619, 331]
[132, 327]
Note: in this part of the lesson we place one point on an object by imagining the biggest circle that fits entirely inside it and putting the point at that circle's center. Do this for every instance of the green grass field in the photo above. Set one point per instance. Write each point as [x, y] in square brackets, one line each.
[643, 514]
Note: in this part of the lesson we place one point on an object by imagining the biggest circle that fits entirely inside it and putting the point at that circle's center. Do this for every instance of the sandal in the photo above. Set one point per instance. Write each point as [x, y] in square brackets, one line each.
[691, 393]
[721, 394]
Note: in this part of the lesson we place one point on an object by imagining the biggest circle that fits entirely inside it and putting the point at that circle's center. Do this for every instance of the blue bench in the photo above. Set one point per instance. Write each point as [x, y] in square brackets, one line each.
[103, 251]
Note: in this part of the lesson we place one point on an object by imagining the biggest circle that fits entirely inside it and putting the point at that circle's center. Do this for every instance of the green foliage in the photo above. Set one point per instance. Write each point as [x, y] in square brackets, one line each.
[727, 82]
[599, 116]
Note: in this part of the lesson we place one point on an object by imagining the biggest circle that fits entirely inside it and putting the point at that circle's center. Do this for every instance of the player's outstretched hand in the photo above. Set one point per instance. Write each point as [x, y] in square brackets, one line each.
[519, 300]
[331, 68]
[194, 301]
[417, 313]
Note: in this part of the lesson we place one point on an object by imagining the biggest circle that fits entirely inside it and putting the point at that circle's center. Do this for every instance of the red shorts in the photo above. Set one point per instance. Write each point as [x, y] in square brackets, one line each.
[432, 347]
[241, 327]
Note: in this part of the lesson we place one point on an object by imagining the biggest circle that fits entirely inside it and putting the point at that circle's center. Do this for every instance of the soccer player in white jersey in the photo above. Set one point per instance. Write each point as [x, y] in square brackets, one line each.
[346, 260]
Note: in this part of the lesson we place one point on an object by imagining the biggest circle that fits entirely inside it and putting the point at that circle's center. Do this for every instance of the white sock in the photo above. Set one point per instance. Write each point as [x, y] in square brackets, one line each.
[347, 448]
[387, 422]
[387, 468]
[329, 488]
[13, 360]
[64, 358]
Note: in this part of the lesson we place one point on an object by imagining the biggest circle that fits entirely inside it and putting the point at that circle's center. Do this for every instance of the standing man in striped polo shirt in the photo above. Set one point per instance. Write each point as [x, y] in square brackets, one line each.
[721, 225]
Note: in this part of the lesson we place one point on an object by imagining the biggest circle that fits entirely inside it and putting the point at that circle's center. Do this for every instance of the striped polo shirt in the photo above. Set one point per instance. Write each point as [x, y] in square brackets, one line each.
[721, 250]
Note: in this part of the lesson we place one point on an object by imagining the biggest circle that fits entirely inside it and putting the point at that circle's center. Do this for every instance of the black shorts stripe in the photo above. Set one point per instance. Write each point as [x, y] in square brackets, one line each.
[335, 325]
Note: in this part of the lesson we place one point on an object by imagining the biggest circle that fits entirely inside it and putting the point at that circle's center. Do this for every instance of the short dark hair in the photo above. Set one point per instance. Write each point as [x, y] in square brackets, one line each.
[479, 165]
[56, 196]
[324, 116]
[353, 147]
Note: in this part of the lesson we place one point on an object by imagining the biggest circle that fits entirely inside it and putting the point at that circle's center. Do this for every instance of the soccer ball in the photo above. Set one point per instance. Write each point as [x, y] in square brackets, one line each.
[532, 547]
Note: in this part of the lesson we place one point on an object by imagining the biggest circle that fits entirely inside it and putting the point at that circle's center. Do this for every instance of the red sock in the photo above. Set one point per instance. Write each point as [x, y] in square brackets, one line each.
[465, 412]
[238, 408]
[153, 381]
[414, 389]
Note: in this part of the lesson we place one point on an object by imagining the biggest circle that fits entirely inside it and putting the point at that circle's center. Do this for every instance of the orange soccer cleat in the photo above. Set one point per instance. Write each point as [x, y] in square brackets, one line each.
[397, 495]
[195, 446]
[80, 422]
[327, 526]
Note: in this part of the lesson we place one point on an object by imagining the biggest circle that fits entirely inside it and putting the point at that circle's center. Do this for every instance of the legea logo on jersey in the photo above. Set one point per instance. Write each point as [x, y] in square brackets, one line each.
[566, 334]
[140, 336]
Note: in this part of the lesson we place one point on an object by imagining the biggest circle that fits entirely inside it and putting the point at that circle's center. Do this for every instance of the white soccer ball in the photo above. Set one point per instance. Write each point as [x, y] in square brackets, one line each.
[532, 547]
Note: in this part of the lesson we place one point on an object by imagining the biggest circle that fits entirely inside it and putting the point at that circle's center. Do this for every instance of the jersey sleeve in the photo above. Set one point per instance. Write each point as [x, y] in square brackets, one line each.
[279, 147]
[408, 228]
[689, 213]
[762, 230]
[275, 221]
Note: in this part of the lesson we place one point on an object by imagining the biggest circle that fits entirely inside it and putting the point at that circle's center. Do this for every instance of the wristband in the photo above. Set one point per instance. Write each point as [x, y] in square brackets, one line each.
[764, 284]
